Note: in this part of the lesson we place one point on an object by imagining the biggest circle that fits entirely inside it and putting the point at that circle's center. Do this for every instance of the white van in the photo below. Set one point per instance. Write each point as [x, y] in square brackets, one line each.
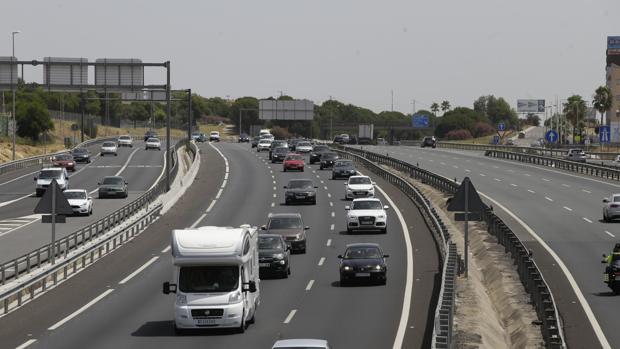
[215, 277]
[46, 175]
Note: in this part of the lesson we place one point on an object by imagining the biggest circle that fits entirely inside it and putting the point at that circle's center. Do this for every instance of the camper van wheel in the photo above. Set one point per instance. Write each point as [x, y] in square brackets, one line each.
[178, 331]
[253, 318]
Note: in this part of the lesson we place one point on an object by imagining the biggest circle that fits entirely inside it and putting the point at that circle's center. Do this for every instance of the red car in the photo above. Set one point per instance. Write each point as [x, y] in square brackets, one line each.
[64, 160]
[294, 162]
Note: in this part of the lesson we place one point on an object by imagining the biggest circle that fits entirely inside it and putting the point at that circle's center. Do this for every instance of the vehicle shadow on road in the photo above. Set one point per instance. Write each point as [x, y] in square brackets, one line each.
[166, 329]
[356, 284]
[605, 294]
[360, 232]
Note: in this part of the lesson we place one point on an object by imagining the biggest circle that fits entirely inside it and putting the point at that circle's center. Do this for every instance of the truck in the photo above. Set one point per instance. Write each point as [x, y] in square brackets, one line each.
[215, 278]
[365, 134]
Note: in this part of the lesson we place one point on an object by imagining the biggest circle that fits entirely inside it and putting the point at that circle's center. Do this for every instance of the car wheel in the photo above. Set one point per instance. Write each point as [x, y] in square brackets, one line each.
[302, 169]
[333, 177]
[285, 274]
[321, 167]
[384, 231]
[343, 281]
[115, 154]
[288, 271]
[314, 202]
[242, 327]
[284, 169]
[303, 251]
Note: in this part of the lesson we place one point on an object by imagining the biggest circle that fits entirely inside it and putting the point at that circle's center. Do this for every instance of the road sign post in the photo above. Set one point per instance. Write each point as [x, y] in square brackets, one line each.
[604, 134]
[551, 136]
[501, 127]
[57, 205]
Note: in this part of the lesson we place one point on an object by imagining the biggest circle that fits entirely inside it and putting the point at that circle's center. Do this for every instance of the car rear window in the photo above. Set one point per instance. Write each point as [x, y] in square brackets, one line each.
[294, 157]
[75, 194]
[108, 144]
[300, 184]
[64, 157]
[112, 180]
[50, 174]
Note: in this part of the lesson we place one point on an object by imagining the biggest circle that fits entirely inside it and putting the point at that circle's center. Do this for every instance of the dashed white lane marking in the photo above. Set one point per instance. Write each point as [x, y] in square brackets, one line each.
[431, 160]
[325, 187]
[568, 208]
[548, 198]
[273, 204]
[483, 175]
[527, 174]
[274, 195]
[514, 185]
[321, 261]
[274, 182]
[166, 249]
[495, 167]
[329, 195]
[309, 286]
[586, 191]
[333, 214]
[497, 179]
[587, 220]
[546, 180]
[565, 185]
[331, 204]
[531, 191]
[610, 234]
[313, 171]
[79, 311]
[455, 166]
[317, 176]
[274, 188]
[466, 170]
[329, 242]
[290, 316]
[137, 271]
[331, 227]
[26, 344]
[322, 181]
[211, 206]
[443, 163]
[273, 176]
[224, 183]
[226, 175]
[202, 216]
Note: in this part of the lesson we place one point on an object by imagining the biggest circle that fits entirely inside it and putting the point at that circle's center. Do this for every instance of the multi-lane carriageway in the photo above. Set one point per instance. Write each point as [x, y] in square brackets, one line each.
[117, 302]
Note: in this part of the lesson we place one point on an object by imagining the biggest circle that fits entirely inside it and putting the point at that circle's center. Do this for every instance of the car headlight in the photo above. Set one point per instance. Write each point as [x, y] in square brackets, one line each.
[235, 297]
[181, 299]
[290, 193]
[84, 204]
[300, 236]
[278, 256]
[378, 267]
[71, 163]
[352, 217]
[349, 190]
[311, 193]
[381, 216]
[346, 268]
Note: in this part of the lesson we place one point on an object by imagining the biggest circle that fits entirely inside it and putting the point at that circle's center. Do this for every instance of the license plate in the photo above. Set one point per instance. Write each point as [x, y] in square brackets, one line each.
[366, 222]
[206, 321]
[263, 265]
[300, 196]
[362, 275]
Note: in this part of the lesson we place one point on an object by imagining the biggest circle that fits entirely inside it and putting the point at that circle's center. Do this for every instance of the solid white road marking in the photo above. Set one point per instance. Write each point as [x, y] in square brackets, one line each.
[610, 234]
[219, 193]
[137, 271]
[26, 344]
[587, 220]
[568, 208]
[309, 286]
[321, 261]
[166, 249]
[211, 206]
[329, 242]
[79, 311]
[290, 316]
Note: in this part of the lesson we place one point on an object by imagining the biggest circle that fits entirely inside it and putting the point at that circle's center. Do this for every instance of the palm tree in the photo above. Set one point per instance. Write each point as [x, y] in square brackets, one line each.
[575, 111]
[445, 106]
[602, 100]
[435, 107]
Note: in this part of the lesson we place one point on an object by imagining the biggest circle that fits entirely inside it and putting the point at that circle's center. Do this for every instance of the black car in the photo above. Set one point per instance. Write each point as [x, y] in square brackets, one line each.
[273, 256]
[428, 142]
[291, 227]
[150, 134]
[81, 155]
[339, 140]
[300, 190]
[278, 154]
[363, 261]
[255, 141]
[343, 169]
[276, 144]
[328, 159]
[293, 143]
[244, 138]
[113, 186]
[317, 150]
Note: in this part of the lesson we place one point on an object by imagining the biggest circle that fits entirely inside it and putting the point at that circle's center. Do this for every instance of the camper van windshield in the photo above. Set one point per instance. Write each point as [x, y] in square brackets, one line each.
[208, 279]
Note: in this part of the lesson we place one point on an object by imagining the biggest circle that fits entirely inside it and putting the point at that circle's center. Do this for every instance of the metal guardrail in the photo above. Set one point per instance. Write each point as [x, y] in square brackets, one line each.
[529, 273]
[43, 159]
[23, 265]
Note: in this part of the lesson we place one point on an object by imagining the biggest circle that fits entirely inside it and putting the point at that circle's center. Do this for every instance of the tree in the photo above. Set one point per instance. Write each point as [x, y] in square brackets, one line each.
[32, 117]
[435, 108]
[532, 119]
[602, 99]
[575, 111]
[460, 118]
[217, 106]
[445, 106]
[497, 110]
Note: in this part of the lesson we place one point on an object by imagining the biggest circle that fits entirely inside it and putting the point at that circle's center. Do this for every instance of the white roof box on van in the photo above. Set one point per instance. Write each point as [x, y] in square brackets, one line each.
[212, 245]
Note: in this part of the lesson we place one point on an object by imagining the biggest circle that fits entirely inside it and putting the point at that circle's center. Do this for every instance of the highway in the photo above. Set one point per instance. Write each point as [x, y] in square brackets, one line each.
[563, 208]
[21, 231]
[117, 302]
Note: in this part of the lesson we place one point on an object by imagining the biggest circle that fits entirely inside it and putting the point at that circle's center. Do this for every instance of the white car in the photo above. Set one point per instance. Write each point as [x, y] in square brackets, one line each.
[80, 201]
[611, 210]
[125, 141]
[46, 175]
[359, 187]
[214, 136]
[109, 148]
[263, 144]
[366, 214]
[152, 143]
[301, 344]
[575, 155]
[303, 147]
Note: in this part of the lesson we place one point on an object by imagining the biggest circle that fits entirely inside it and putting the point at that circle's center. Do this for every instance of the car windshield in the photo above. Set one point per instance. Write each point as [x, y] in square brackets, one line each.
[75, 194]
[50, 174]
[300, 185]
[113, 180]
[366, 205]
[359, 180]
[285, 223]
[64, 157]
[108, 144]
[303, 144]
[329, 156]
[270, 243]
[294, 157]
[343, 164]
[362, 253]
[201, 279]
[80, 151]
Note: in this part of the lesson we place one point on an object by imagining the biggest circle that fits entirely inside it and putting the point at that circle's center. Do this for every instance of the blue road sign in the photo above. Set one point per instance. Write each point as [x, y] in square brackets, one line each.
[501, 126]
[495, 139]
[551, 136]
[604, 134]
[420, 121]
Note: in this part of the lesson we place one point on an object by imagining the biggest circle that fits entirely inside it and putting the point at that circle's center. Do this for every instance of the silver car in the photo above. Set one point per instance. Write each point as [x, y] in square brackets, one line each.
[301, 343]
[611, 210]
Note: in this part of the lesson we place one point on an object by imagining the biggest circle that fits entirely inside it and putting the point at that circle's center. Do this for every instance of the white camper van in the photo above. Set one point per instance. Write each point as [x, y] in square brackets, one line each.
[215, 277]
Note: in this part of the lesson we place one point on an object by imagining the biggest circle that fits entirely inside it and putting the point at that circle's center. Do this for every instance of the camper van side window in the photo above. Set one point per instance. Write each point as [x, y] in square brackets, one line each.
[246, 247]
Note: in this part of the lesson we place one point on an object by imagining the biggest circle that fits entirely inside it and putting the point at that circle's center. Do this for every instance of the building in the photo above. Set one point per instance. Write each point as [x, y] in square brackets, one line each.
[613, 82]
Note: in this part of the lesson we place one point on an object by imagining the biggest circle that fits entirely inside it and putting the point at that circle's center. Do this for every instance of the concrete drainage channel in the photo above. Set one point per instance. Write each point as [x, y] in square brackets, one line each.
[529, 274]
[29, 276]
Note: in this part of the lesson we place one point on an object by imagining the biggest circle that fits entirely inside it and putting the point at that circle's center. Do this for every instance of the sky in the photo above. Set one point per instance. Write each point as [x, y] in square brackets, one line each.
[355, 51]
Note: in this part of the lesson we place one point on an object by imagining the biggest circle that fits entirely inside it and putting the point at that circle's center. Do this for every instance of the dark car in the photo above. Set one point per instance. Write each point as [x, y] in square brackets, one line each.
[300, 190]
[317, 150]
[150, 134]
[291, 227]
[279, 154]
[273, 256]
[428, 142]
[113, 186]
[293, 143]
[199, 137]
[255, 141]
[276, 144]
[364, 141]
[363, 261]
[339, 140]
[343, 169]
[64, 160]
[328, 159]
[244, 138]
[81, 155]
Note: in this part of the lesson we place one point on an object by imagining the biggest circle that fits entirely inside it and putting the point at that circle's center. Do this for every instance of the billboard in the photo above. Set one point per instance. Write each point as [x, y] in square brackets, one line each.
[298, 109]
[530, 105]
[8, 70]
[420, 121]
[119, 74]
[67, 72]
[613, 42]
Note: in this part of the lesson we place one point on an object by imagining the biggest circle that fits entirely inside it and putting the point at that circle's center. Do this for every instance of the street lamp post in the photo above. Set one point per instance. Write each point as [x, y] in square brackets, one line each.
[13, 87]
